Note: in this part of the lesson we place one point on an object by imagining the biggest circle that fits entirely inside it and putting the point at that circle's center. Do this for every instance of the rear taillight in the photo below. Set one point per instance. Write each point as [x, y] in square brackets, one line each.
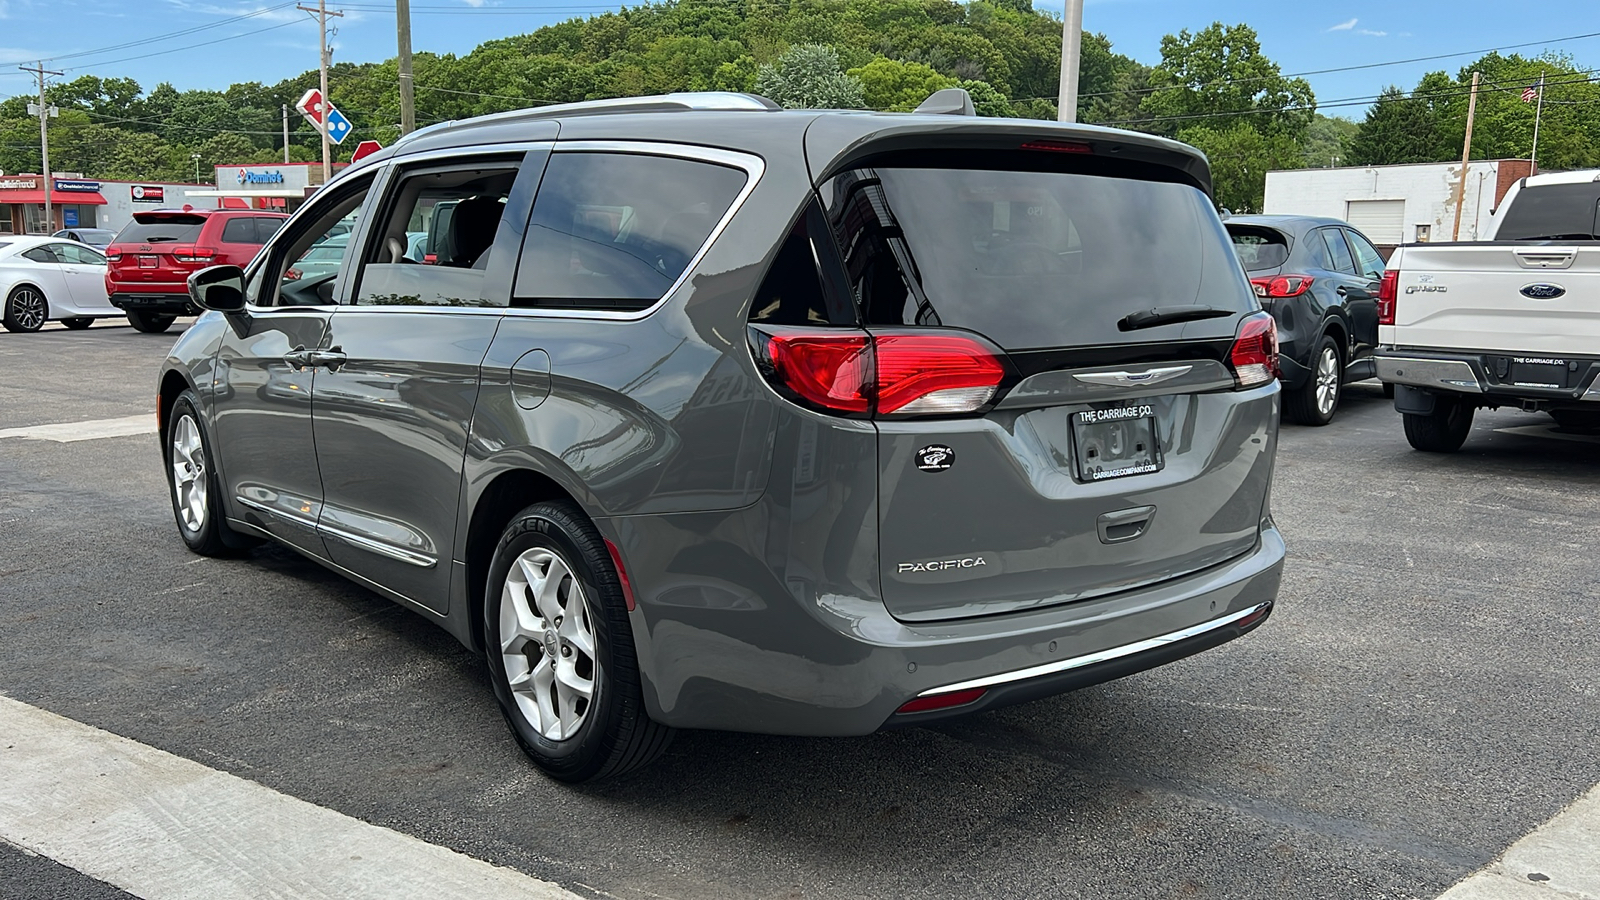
[1280, 286]
[1388, 292]
[113, 254]
[893, 372]
[1254, 358]
[193, 254]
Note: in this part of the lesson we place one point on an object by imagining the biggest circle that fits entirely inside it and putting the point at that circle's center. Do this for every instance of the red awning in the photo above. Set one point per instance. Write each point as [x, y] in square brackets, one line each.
[59, 198]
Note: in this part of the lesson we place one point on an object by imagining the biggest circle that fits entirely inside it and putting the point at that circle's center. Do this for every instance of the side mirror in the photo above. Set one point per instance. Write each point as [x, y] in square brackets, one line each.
[219, 288]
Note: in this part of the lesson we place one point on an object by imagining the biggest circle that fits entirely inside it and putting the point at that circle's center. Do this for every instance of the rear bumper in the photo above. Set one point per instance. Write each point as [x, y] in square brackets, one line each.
[766, 657]
[1468, 372]
[166, 302]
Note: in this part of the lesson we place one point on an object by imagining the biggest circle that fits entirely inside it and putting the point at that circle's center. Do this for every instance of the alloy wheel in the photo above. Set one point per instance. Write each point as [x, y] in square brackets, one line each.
[1327, 380]
[189, 482]
[28, 309]
[547, 644]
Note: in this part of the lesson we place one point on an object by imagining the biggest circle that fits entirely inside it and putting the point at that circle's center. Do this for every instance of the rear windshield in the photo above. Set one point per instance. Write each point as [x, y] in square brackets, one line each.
[1259, 248]
[1555, 212]
[183, 229]
[1032, 259]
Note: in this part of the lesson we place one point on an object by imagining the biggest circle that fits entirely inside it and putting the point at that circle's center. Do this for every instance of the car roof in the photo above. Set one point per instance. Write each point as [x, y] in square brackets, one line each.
[1291, 224]
[1578, 177]
[824, 139]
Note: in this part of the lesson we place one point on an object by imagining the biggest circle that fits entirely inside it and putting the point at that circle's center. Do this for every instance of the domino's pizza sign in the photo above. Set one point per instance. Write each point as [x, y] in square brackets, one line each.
[271, 176]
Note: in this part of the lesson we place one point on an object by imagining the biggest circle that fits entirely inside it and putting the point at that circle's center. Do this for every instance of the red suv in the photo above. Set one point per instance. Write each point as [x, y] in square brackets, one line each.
[148, 264]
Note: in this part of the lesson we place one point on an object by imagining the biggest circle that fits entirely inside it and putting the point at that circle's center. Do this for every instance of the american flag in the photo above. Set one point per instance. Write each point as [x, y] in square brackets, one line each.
[1530, 93]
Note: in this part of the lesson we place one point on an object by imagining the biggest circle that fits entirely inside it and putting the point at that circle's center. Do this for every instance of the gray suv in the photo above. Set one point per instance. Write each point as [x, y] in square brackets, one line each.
[700, 413]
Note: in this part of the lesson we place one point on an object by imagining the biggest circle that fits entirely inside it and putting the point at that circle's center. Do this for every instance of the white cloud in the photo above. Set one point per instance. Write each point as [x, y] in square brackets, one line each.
[1369, 32]
[1345, 26]
[474, 3]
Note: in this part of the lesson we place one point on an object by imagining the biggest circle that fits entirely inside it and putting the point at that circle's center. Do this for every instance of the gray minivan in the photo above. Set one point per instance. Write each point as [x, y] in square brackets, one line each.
[708, 414]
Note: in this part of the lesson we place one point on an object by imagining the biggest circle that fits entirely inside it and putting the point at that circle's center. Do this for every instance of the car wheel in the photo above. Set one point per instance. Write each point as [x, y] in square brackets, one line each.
[1315, 402]
[78, 323]
[560, 649]
[194, 488]
[1581, 421]
[1442, 431]
[26, 309]
[149, 323]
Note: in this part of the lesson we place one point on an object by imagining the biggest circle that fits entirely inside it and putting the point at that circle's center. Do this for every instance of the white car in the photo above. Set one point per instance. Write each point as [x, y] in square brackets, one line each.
[44, 278]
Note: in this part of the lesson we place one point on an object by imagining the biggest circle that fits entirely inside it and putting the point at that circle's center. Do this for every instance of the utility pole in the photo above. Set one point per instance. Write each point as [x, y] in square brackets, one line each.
[286, 134]
[322, 14]
[45, 112]
[1071, 46]
[408, 101]
[1538, 113]
[1466, 157]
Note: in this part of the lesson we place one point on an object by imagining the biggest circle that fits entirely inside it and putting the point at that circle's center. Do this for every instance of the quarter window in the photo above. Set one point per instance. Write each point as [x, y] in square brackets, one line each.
[617, 230]
[299, 270]
[241, 230]
[1369, 262]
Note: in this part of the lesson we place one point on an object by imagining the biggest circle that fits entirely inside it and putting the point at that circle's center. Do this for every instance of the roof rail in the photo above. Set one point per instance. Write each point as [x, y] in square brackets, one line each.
[685, 100]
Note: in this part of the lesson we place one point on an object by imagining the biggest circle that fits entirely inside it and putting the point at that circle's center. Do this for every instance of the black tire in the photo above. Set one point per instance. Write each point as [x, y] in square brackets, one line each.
[1316, 401]
[78, 323]
[210, 536]
[1442, 431]
[148, 322]
[615, 734]
[1578, 421]
[26, 309]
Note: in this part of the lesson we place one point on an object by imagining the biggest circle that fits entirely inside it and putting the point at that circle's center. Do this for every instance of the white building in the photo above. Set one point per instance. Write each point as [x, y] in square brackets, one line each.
[124, 198]
[1395, 205]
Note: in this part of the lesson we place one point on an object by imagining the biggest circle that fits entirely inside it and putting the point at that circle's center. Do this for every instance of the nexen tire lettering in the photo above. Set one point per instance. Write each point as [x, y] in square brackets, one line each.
[941, 565]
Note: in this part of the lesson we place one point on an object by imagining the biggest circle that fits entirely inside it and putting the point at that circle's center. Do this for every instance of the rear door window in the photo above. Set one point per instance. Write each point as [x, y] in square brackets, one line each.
[616, 230]
[164, 230]
[1338, 250]
[1032, 259]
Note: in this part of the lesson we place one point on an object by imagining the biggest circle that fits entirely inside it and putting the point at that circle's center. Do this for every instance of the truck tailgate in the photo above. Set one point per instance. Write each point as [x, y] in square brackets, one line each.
[1513, 297]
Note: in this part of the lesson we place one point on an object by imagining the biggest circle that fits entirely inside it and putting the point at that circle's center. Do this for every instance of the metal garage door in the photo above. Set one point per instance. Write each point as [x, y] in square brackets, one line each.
[1382, 221]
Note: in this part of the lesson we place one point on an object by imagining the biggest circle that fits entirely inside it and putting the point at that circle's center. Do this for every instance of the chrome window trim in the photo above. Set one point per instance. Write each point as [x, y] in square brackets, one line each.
[1099, 656]
[753, 166]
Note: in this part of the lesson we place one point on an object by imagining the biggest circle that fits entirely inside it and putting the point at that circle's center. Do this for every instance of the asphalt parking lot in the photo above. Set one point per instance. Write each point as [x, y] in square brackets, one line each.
[1426, 693]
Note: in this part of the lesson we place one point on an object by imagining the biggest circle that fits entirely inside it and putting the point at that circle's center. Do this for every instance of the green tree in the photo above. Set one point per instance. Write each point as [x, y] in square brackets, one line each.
[808, 76]
[1327, 139]
[1240, 158]
[1219, 77]
[1397, 129]
[899, 86]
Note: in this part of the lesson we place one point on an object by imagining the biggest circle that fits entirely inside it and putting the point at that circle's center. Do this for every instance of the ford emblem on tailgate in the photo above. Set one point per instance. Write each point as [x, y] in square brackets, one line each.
[1543, 291]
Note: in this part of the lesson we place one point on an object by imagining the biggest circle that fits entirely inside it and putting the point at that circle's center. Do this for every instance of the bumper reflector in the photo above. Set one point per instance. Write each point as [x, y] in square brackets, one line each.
[942, 701]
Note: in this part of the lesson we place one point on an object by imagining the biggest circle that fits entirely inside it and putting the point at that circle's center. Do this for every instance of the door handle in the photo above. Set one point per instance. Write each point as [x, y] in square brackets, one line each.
[332, 358]
[299, 357]
[1125, 524]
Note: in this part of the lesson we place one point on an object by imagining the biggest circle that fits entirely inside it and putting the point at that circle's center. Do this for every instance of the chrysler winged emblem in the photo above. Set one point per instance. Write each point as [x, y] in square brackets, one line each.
[1132, 379]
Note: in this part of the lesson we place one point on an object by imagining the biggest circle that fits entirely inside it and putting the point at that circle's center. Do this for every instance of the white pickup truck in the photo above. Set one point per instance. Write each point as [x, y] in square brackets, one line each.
[1512, 320]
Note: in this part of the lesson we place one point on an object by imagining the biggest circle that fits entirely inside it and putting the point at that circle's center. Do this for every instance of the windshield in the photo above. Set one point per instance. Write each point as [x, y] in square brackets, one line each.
[1032, 259]
[154, 231]
[1259, 248]
[1553, 212]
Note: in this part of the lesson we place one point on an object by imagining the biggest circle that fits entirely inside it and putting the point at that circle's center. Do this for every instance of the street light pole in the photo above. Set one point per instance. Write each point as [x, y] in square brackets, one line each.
[1071, 51]
[196, 158]
[1466, 158]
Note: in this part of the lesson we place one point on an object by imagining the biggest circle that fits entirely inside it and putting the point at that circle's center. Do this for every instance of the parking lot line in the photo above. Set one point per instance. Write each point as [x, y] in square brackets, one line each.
[1559, 859]
[163, 827]
[68, 432]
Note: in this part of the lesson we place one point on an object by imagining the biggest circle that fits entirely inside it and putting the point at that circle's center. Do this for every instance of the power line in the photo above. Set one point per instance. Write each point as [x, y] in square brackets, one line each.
[168, 36]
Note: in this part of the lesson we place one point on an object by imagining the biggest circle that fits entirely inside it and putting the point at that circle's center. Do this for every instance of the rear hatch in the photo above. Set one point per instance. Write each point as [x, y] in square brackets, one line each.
[157, 250]
[1535, 289]
[1120, 447]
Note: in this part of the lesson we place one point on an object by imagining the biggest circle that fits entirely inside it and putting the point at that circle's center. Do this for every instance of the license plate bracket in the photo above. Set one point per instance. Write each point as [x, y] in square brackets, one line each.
[149, 262]
[1541, 371]
[1116, 443]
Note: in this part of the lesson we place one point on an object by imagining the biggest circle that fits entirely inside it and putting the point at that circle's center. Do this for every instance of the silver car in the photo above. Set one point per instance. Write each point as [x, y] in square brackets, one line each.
[708, 414]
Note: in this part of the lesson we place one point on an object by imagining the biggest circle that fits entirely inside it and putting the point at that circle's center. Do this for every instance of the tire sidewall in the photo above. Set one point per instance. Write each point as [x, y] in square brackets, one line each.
[11, 322]
[1323, 346]
[577, 757]
[207, 538]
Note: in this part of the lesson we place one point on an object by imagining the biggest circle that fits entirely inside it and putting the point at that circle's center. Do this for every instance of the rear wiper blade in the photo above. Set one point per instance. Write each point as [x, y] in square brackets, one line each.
[1166, 315]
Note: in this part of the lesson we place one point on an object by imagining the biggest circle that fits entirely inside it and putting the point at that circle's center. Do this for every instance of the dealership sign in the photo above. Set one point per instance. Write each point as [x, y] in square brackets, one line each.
[84, 187]
[148, 193]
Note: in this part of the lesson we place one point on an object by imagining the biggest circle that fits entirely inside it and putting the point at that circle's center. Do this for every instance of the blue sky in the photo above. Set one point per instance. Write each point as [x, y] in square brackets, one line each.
[280, 42]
